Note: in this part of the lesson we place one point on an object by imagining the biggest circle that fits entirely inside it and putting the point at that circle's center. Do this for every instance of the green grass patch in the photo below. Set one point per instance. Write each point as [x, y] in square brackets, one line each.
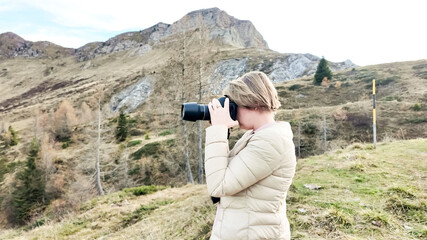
[143, 190]
[134, 143]
[392, 98]
[417, 120]
[89, 205]
[166, 132]
[416, 107]
[132, 121]
[283, 94]
[136, 132]
[378, 216]
[68, 229]
[142, 212]
[422, 75]
[358, 167]
[404, 192]
[420, 66]
[420, 234]
[365, 77]
[147, 150]
[170, 142]
[3, 169]
[408, 209]
[134, 170]
[37, 223]
[295, 87]
[336, 218]
[335, 205]
[386, 81]
[367, 190]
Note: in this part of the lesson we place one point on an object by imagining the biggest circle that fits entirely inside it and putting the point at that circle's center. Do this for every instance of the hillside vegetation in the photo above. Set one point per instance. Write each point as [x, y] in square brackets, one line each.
[154, 152]
[341, 109]
[363, 193]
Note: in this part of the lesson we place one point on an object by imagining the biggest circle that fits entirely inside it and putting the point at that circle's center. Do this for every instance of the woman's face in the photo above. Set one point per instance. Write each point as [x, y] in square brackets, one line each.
[252, 119]
[245, 116]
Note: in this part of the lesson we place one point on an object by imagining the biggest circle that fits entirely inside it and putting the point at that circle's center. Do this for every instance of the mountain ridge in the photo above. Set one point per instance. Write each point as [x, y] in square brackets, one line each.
[220, 25]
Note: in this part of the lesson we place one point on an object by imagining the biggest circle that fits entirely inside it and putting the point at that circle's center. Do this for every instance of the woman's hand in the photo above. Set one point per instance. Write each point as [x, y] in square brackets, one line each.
[221, 115]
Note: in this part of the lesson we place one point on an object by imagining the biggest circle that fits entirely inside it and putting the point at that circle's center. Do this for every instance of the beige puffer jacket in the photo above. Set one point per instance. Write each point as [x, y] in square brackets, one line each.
[252, 180]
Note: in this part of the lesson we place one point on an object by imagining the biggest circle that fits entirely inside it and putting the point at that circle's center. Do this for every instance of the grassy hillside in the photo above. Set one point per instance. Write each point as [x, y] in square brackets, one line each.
[364, 193]
[343, 107]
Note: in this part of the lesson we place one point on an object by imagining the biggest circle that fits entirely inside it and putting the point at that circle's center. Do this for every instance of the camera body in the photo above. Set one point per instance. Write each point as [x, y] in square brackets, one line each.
[192, 111]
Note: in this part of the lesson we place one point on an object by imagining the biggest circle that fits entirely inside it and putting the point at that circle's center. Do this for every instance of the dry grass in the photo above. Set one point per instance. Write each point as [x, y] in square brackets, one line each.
[366, 194]
[180, 209]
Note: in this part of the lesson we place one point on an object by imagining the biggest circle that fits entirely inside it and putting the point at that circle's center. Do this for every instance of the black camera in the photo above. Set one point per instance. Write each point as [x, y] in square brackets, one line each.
[193, 111]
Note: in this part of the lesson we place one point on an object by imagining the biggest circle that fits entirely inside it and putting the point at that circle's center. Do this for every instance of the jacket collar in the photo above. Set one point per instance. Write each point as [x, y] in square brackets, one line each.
[241, 143]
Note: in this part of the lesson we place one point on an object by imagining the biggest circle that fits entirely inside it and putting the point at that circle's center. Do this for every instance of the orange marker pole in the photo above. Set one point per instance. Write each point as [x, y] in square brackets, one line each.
[374, 115]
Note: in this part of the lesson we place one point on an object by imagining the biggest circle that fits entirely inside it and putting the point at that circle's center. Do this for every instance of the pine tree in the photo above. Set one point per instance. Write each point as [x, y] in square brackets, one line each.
[322, 72]
[30, 189]
[122, 131]
[14, 137]
[3, 170]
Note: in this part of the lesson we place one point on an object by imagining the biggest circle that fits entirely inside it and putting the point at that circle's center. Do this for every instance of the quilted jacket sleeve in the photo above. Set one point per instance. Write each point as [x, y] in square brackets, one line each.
[253, 163]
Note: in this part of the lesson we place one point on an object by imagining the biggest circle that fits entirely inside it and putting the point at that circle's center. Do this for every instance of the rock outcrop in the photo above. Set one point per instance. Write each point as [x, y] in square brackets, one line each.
[131, 97]
[287, 67]
[141, 42]
[226, 71]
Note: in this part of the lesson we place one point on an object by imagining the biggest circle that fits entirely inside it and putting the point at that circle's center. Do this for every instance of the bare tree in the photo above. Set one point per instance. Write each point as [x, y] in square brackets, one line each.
[200, 152]
[98, 147]
[299, 139]
[3, 132]
[184, 127]
[298, 117]
[47, 154]
[199, 124]
[44, 122]
[126, 170]
[86, 114]
[186, 154]
[37, 129]
[325, 143]
[2, 127]
[96, 177]
[64, 119]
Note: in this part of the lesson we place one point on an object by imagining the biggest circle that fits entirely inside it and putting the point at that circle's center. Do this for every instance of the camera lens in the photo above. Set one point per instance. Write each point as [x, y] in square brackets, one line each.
[192, 111]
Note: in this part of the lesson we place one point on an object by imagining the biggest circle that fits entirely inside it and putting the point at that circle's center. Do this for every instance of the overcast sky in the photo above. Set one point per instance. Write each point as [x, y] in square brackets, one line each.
[364, 31]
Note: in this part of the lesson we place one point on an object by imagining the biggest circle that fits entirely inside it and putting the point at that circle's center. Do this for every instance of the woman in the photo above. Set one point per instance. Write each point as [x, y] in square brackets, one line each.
[253, 178]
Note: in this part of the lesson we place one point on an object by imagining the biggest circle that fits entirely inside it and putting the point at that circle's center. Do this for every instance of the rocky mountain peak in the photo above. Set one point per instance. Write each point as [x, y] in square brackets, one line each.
[10, 37]
[217, 24]
[220, 25]
[12, 45]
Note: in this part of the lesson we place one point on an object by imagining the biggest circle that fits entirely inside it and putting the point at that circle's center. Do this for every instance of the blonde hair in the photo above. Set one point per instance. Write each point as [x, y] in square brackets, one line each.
[253, 90]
